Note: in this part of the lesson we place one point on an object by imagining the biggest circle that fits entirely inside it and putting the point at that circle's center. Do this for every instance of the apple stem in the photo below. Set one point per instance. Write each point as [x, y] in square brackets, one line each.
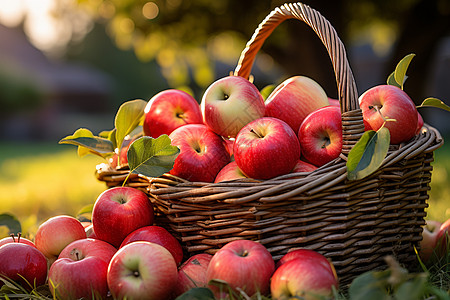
[385, 119]
[18, 237]
[257, 134]
[13, 238]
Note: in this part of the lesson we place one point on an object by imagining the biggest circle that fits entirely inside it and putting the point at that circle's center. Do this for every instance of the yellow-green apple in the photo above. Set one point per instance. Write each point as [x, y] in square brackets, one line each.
[265, 148]
[303, 166]
[56, 233]
[142, 270]
[320, 135]
[158, 235]
[202, 153]
[192, 273]
[229, 172]
[16, 239]
[23, 264]
[294, 99]
[429, 239]
[169, 110]
[119, 211]
[230, 103]
[80, 270]
[303, 279]
[443, 239]
[389, 102]
[242, 264]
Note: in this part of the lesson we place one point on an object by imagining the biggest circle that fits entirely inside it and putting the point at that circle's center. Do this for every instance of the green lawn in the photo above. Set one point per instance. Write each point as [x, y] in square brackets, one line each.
[38, 181]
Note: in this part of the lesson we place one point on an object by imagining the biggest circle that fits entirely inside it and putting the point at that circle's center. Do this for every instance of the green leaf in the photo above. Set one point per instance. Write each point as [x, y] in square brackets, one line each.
[87, 209]
[370, 286]
[11, 222]
[94, 145]
[152, 157]
[368, 153]
[434, 102]
[198, 293]
[413, 289]
[267, 90]
[391, 80]
[128, 118]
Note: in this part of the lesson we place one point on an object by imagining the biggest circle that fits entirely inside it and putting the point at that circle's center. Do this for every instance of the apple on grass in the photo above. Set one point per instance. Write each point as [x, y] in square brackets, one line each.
[229, 104]
[24, 264]
[229, 172]
[158, 235]
[294, 99]
[119, 211]
[389, 102]
[56, 233]
[142, 270]
[16, 239]
[266, 148]
[192, 273]
[169, 110]
[429, 239]
[443, 239]
[243, 264]
[81, 269]
[320, 135]
[202, 153]
[303, 278]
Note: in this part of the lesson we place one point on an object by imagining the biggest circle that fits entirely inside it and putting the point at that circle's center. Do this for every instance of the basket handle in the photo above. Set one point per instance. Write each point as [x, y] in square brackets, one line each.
[352, 121]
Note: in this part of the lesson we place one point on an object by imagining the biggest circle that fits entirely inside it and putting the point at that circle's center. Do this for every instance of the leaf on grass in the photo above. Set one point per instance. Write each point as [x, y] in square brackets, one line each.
[197, 293]
[267, 90]
[368, 153]
[398, 77]
[128, 117]
[434, 102]
[11, 222]
[413, 289]
[89, 144]
[152, 157]
[370, 286]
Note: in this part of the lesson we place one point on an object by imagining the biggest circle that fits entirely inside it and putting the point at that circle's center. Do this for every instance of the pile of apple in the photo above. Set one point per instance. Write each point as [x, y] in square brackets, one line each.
[124, 256]
[235, 133]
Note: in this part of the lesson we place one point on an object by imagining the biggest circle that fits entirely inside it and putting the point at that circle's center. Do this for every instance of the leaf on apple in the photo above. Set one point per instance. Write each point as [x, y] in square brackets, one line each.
[434, 102]
[398, 77]
[89, 144]
[267, 90]
[11, 222]
[197, 293]
[368, 153]
[152, 157]
[128, 117]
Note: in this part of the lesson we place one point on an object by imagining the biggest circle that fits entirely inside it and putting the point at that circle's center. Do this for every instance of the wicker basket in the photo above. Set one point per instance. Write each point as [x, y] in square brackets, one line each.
[354, 223]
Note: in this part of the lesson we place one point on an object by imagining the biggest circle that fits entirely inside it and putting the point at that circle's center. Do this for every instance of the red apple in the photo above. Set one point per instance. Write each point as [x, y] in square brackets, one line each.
[119, 211]
[16, 239]
[169, 110]
[230, 103]
[242, 264]
[334, 102]
[80, 270]
[23, 264]
[443, 239]
[320, 135]
[303, 279]
[265, 148]
[229, 172]
[56, 233]
[229, 143]
[419, 123]
[158, 235]
[192, 273]
[294, 99]
[392, 103]
[303, 166]
[202, 153]
[142, 270]
[429, 239]
[90, 233]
